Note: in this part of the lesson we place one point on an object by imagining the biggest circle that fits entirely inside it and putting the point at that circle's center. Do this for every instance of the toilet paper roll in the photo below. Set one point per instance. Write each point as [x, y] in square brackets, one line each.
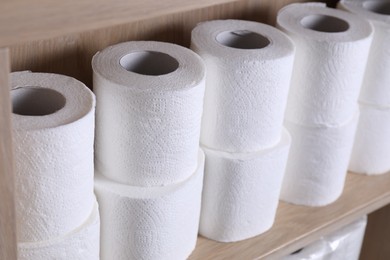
[371, 150]
[149, 107]
[375, 88]
[149, 222]
[317, 163]
[53, 132]
[314, 251]
[249, 68]
[331, 53]
[241, 191]
[80, 244]
[346, 242]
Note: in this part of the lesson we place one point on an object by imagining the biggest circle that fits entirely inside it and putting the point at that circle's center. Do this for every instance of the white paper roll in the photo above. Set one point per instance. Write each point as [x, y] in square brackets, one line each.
[314, 251]
[375, 88]
[149, 108]
[249, 68]
[149, 222]
[331, 53]
[346, 242]
[82, 243]
[317, 163]
[53, 132]
[241, 191]
[371, 150]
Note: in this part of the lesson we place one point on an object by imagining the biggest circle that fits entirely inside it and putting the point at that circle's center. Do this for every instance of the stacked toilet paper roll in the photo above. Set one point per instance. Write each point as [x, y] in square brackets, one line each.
[149, 108]
[150, 222]
[53, 132]
[248, 74]
[150, 168]
[374, 98]
[317, 163]
[79, 244]
[344, 243]
[241, 191]
[332, 47]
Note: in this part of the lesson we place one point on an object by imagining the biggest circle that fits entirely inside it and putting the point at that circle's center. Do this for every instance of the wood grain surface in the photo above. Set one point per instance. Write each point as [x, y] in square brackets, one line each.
[377, 237]
[7, 210]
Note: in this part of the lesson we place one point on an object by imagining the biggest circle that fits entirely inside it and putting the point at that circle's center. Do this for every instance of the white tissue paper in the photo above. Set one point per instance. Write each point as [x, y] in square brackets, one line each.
[149, 107]
[371, 150]
[149, 222]
[314, 251]
[344, 243]
[249, 69]
[375, 88]
[332, 47]
[241, 191]
[317, 163]
[82, 243]
[53, 132]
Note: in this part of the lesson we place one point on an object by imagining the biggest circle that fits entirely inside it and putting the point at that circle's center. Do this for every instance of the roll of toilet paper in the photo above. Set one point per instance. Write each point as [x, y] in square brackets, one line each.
[317, 163]
[314, 251]
[53, 132]
[79, 244]
[371, 150]
[241, 191]
[149, 107]
[346, 242]
[149, 222]
[377, 78]
[249, 68]
[332, 47]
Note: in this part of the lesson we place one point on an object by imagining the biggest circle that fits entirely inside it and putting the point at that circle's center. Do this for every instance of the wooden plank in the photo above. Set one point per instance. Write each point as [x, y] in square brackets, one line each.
[297, 226]
[7, 210]
[23, 20]
[377, 237]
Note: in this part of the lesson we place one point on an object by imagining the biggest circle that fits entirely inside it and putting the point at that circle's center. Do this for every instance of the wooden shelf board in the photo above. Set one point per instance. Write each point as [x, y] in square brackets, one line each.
[25, 21]
[296, 226]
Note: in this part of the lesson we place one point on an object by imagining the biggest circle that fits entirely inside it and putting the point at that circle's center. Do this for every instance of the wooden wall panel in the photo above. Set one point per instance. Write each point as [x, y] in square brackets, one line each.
[7, 210]
[376, 243]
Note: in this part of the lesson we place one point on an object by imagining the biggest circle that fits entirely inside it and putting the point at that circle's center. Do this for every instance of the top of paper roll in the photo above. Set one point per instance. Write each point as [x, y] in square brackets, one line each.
[317, 22]
[160, 64]
[46, 100]
[244, 39]
[374, 10]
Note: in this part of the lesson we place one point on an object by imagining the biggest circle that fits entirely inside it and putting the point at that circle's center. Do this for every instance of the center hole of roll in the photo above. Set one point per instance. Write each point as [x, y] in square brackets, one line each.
[149, 63]
[324, 23]
[377, 7]
[34, 101]
[242, 39]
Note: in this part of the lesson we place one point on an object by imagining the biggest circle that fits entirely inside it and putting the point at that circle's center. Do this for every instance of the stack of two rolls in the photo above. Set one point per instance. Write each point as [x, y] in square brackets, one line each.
[322, 113]
[149, 168]
[248, 75]
[370, 154]
[53, 131]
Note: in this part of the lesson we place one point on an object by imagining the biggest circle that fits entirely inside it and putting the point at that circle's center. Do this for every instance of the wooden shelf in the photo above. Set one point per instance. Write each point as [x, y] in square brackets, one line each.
[297, 226]
[25, 21]
[62, 36]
